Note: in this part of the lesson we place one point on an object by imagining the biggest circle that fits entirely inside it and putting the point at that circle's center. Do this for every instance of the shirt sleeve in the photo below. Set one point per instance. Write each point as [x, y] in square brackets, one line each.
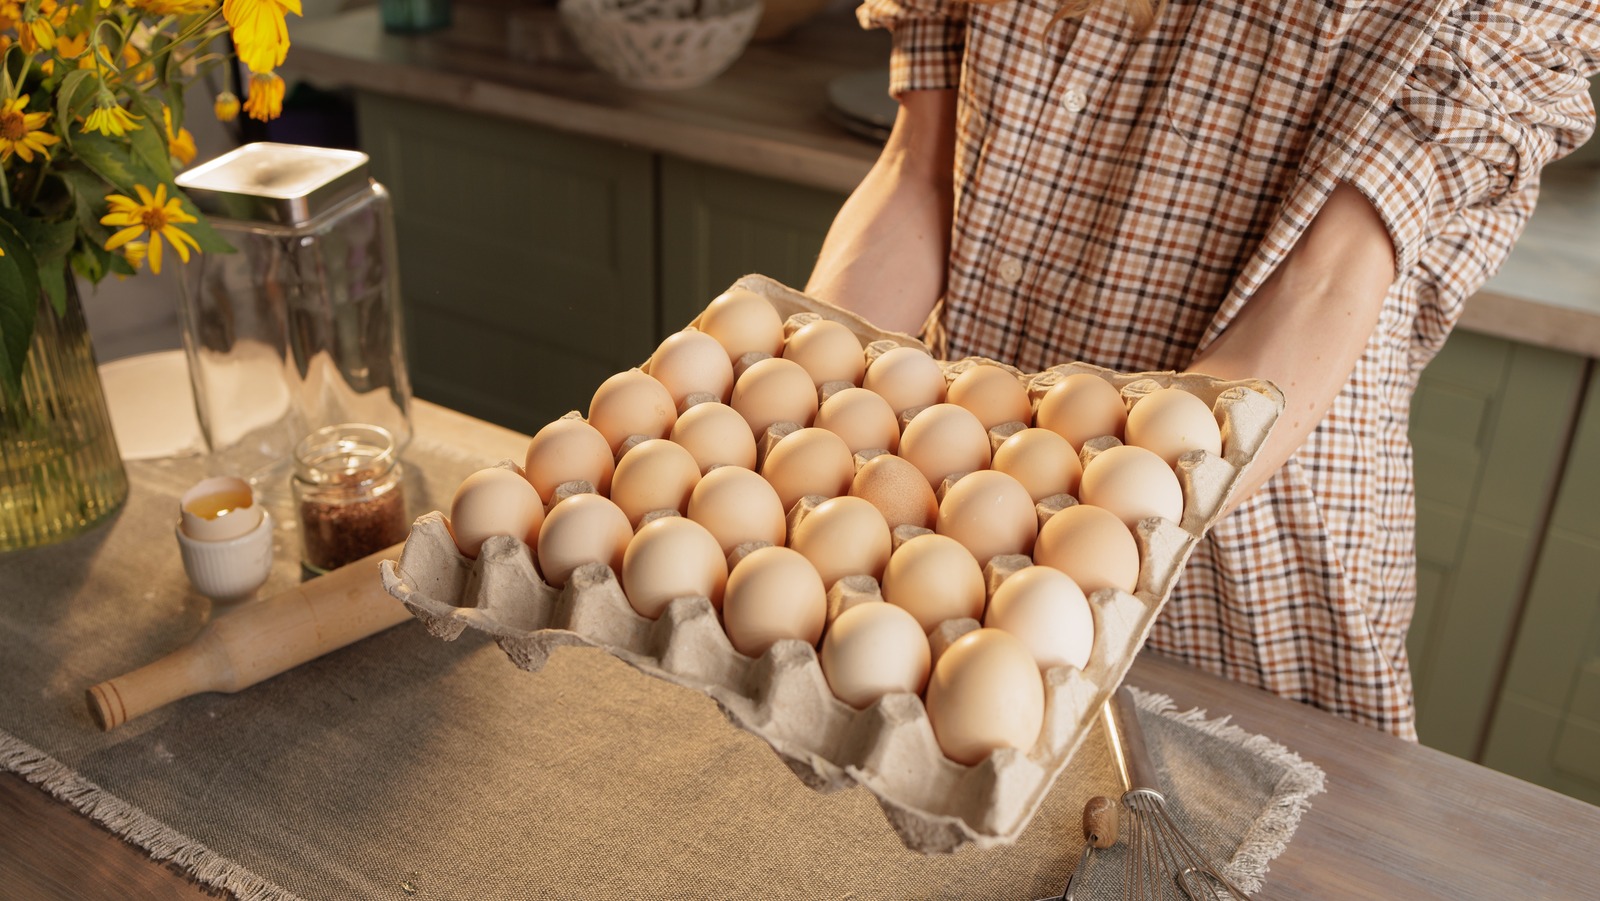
[1498, 91]
[929, 37]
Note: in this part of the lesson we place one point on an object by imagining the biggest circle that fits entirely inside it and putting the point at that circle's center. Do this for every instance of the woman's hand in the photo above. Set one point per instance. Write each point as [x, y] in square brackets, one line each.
[1308, 324]
[886, 254]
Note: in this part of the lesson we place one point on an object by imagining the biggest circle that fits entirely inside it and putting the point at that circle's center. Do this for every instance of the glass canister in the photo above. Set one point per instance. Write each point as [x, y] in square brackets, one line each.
[348, 493]
[301, 327]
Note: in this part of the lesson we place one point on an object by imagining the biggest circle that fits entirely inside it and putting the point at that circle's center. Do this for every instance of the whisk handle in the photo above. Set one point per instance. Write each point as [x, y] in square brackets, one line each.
[1138, 769]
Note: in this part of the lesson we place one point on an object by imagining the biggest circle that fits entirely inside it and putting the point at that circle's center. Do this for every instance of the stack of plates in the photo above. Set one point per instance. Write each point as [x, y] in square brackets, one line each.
[860, 103]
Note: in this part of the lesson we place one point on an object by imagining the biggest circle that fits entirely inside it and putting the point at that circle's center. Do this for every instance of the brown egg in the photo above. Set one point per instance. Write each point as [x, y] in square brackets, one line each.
[905, 377]
[670, 558]
[945, 440]
[654, 475]
[736, 506]
[1133, 483]
[1171, 422]
[584, 528]
[874, 649]
[827, 350]
[713, 434]
[899, 490]
[935, 579]
[1045, 608]
[773, 594]
[1081, 407]
[990, 513]
[690, 362]
[632, 403]
[743, 321]
[985, 693]
[862, 418]
[1091, 545]
[1042, 460]
[993, 394]
[494, 502]
[844, 536]
[568, 450]
[774, 390]
[808, 461]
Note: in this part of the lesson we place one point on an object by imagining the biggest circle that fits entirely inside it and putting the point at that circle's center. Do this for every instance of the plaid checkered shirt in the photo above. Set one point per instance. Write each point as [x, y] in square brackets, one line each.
[1119, 199]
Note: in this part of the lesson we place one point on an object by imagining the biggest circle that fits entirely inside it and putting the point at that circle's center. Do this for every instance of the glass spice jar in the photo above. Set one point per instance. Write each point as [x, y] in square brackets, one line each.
[347, 488]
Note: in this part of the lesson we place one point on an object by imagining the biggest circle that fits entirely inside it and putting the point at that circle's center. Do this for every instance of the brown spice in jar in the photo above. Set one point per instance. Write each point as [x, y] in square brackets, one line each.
[339, 530]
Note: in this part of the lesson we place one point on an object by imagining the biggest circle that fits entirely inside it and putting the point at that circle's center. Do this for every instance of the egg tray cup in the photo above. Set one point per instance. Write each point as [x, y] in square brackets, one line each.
[933, 803]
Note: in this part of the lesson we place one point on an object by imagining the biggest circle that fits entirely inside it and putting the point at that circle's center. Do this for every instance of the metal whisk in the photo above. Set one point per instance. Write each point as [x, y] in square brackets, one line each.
[1161, 861]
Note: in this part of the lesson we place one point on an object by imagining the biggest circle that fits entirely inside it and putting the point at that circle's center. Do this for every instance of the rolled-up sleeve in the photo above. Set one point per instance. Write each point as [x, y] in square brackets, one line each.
[929, 37]
[1498, 91]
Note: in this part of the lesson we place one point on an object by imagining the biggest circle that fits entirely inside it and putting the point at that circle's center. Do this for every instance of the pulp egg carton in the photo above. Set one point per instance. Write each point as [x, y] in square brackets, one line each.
[933, 803]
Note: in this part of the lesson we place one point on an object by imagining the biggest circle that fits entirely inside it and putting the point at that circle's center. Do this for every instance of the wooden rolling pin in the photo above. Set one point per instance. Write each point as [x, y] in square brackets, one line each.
[258, 640]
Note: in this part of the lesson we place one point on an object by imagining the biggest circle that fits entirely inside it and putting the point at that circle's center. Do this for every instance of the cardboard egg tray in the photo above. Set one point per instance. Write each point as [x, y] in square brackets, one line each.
[934, 804]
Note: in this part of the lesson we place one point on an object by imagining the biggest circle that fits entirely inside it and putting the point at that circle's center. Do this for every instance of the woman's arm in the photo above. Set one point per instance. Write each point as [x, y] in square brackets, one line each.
[886, 253]
[1309, 323]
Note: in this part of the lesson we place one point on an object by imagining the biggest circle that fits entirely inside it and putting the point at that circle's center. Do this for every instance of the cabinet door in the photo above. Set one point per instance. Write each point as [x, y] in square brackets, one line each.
[718, 225]
[527, 257]
[1489, 428]
[1547, 725]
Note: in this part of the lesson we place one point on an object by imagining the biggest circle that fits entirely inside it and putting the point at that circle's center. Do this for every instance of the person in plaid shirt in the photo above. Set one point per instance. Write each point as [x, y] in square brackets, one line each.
[1300, 191]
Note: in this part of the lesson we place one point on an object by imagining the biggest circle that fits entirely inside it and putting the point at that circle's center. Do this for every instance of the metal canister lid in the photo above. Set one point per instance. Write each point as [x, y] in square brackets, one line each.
[284, 184]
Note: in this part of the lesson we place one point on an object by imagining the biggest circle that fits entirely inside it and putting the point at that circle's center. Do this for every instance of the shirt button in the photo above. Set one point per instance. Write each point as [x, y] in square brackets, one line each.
[1074, 100]
[1011, 270]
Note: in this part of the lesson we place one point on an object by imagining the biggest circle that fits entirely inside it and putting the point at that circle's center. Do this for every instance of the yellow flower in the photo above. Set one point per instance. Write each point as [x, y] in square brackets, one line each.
[181, 143]
[37, 35]
[135, 65]
[266, 97]
[226, 106]
[110, 119]
[72, 46]
[19, 131]
[134, 252]
[152, 214]
[173, 7]
[259, 31]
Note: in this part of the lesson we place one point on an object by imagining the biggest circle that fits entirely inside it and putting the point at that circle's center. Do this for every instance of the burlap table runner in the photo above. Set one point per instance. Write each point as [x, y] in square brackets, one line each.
[406, 767]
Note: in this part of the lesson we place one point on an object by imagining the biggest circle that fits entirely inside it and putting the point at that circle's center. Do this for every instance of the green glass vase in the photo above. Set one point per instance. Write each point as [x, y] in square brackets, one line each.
[60, 471]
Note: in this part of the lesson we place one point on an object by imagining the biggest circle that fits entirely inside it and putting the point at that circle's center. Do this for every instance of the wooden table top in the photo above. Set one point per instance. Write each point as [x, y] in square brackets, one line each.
[1397, 821]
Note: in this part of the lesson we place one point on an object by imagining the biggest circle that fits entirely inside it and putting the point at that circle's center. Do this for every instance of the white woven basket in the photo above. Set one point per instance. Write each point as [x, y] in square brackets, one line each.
[661, 44]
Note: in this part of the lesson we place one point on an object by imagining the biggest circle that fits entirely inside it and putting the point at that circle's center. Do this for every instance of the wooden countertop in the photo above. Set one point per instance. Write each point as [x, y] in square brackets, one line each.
[767, 115]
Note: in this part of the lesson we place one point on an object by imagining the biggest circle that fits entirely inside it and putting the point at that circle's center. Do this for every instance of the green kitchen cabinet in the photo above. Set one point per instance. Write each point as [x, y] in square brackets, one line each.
[1546, 727]
[1489, 429]
[527, 257]
[719, 225]
[535, 263]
